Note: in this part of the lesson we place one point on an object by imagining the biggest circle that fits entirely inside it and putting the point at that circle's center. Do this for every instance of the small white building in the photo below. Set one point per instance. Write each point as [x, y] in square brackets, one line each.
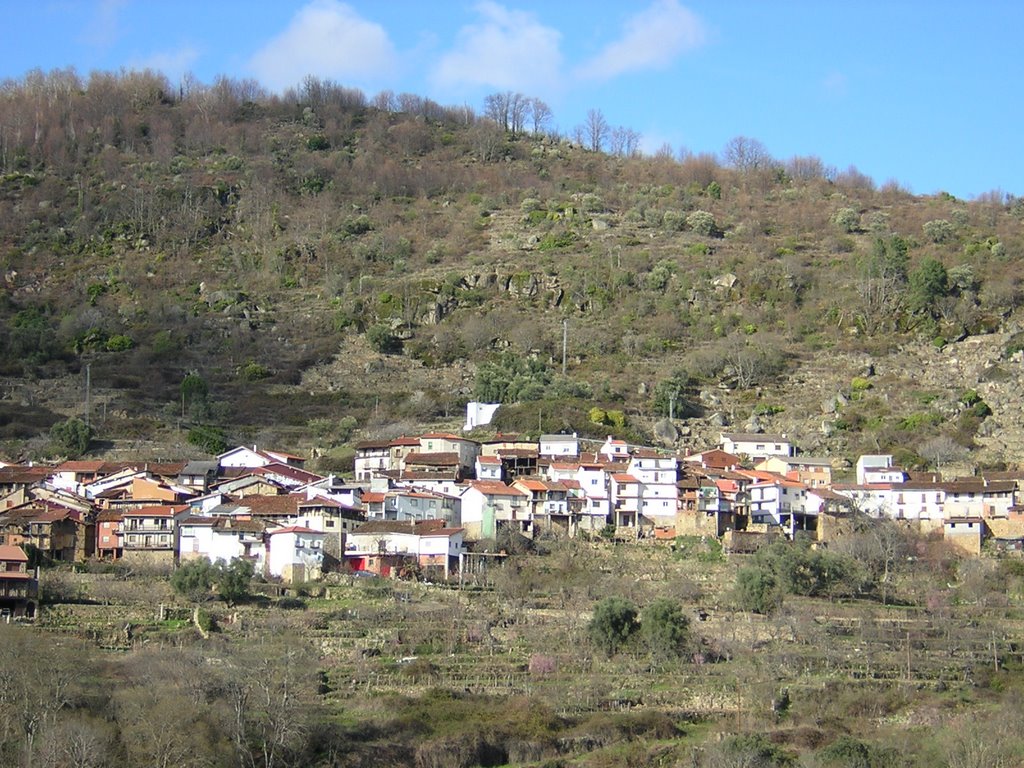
[489, 468]
[657, 474]
[295, 553]
[222, 538]
[479, 414]
[757, 446]
[488, 506]
[559, 445]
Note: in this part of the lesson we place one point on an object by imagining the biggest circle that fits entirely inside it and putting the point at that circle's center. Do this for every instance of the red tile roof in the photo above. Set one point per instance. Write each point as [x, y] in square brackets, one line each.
[11, 553]
[294, 529]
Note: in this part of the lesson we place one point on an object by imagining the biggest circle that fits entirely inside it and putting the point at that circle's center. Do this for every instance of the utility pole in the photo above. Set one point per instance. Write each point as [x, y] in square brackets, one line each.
[672, 406]
[565, 342]
[88, 393]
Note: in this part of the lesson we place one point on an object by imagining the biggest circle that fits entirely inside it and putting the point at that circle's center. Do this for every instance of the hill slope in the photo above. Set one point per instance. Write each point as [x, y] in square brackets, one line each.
[329, 269]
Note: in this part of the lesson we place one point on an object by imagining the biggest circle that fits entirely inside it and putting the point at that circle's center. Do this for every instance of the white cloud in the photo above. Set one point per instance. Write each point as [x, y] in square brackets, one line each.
[651, 40]
[327, 39]
[174, 64]
[506, 49]
[104, 29]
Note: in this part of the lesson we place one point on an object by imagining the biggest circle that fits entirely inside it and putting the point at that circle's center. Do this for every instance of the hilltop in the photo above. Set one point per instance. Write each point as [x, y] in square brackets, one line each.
[320, 267]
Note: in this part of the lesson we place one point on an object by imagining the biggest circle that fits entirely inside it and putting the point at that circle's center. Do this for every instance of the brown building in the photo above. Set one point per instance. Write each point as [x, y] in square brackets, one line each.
[19, 588]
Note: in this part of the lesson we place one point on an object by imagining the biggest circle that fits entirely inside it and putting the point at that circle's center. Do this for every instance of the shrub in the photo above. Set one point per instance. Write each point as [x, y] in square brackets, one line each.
[71, 437]
[702, 222]
[664, 628]
[613, 624]
[757, 590]
[194, 579]
[847, 219]
[119, 343]
[938, 230]
[209, 439]
[382, 340]
[253, 371]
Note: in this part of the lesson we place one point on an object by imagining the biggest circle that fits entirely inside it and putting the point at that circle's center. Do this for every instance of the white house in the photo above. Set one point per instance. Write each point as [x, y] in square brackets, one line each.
[756, 446]
[874, 461]
[658, 475]
[383, 546]
[372, 457]
[444, 442]
[295, 553]
[873, 499]
[221, 538]
[625, 499]
[488, 468]
[785, 503]
[559, 445]
[594, 484]
[488, 506]
[479, 414]
[244, 457]
[614, 450]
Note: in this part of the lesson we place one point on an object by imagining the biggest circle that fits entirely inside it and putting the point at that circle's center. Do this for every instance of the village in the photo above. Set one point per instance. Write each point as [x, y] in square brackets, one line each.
[436, 505]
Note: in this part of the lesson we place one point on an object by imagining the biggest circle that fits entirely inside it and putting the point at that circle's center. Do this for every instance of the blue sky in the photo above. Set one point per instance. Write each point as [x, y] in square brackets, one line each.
[924, 93]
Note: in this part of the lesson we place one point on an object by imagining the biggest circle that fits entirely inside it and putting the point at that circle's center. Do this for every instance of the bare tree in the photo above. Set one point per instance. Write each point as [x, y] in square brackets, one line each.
[596, 129]
[942, 449]
[540, 114]
[625, 142]
[746, 154]
[386, 101]
[497, 106]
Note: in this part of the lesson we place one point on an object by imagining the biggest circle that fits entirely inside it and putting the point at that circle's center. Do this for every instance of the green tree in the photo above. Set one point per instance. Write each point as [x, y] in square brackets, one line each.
[675, 396]
[928, 283]
[71, 437]
[381, 339]
[233, 580]
[194, 579]
[938, 230]
[757, 590]
[210, 439]
[194, 392]
[663, 627]
[613, 624]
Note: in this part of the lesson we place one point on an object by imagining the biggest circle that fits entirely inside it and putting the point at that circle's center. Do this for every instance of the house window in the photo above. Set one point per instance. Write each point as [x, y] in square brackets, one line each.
[329, 523]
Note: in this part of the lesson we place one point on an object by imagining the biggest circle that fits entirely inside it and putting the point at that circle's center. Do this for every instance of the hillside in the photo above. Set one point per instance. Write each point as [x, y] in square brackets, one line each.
[325, 269]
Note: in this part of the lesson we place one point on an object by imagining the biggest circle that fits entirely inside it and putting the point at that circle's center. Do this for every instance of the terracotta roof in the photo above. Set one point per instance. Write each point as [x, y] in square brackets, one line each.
[518, 453]
[444, 436]
[23, 475]
[9, 553]
[369, 445]
[488, 459]
[80, 466]
[432, 459]
[495, 488]
[403, 440]
[623, 478]
[294, 529]
[286, 470]
[415, 527]
[754, 437]
[283, 504]
[244, 526]
[373, 497]
[109, 516]
[162, 510]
